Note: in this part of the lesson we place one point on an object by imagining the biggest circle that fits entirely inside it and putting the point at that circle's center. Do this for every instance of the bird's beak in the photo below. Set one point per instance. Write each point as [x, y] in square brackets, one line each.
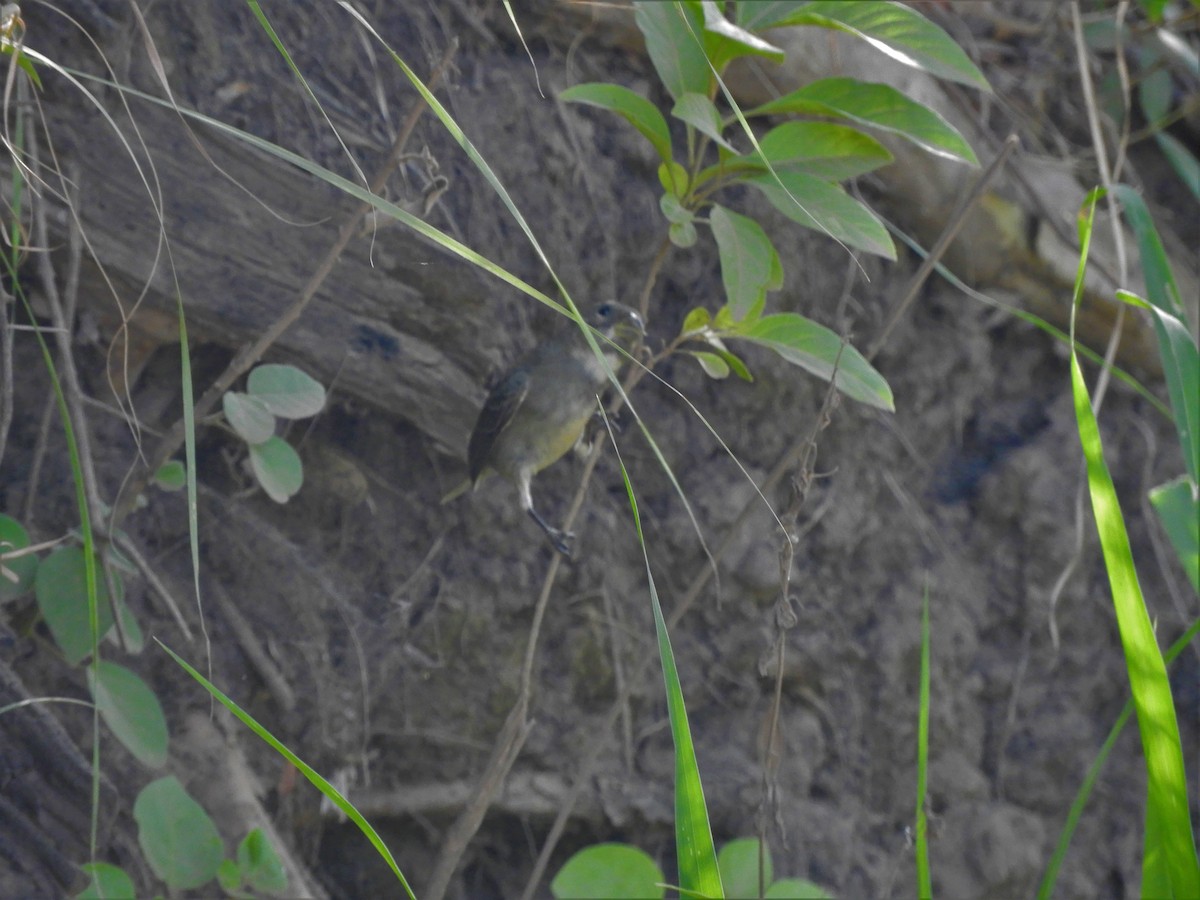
[630, 329]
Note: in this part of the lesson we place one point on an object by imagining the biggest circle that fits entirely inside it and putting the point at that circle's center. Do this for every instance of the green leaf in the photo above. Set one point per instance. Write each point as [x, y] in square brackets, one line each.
[1179, 510]
[672, 32]
[17, 574]
[61, 589]
[724, 41]
[698, 111]
[131, 710]
[106, 882]
[229, 876]
[897, 31]
[674, 178]
[820, 149]
[827, 208]
[608, 870]
[817, 349]
[682, 234]
[288, 392]
[260, 864]
[248, 416]
[1182, 160]
[637, 110]
[1161, 289]
[695, 321]
[749, 262]
[278, 468]
[877, 106]
[1170, 865]
[171, 475]
[738, 862]
[178, 839]
[763, 14]
[712, 364]
[796, 889]
[674, 211]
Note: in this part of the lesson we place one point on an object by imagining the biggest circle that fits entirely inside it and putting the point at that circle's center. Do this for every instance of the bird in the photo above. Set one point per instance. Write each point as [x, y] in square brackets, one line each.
[539, 408]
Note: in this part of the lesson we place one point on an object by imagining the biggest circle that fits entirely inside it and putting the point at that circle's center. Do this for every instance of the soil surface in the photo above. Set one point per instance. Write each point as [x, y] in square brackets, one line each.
[381, 634]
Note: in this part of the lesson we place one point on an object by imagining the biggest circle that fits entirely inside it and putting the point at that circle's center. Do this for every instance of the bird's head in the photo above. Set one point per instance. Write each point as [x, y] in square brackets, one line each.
[617, 322]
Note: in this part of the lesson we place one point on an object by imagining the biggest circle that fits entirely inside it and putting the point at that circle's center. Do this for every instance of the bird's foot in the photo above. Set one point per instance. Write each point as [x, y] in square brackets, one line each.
[558, 537]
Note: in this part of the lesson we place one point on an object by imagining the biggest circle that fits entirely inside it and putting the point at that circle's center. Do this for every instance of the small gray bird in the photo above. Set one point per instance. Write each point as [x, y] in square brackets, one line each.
[538, 410]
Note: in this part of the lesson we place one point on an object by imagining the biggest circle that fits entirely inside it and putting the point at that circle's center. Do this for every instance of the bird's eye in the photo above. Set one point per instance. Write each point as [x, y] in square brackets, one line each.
[604, 310]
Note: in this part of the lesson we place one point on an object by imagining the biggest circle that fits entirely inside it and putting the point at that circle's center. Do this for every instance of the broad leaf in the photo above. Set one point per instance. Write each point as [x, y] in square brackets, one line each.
[171, 475]
[609, 870]
[1179, 511]
[699, 112]
[259, 864]
[897, 31]
[106, 882]
[819, 350]
[288, 392]
[131, 710]
[749, 262]
[738, 862]
[820, 149]
[725, 41]
[248, 416]
[637, 110]
[16, 574]
[178, 838]
[878, 106]
[827, 208]
[673, 32]
[61, 589]
[277, 468]
[763, 14]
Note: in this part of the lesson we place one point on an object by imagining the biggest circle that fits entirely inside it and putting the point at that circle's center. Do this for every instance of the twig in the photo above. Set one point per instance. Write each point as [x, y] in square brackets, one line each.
[130, 549]
[249, 355]
[248, 641]
[957, 219]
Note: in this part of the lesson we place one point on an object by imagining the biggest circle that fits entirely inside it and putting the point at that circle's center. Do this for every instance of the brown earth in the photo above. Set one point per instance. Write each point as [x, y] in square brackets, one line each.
[381, 634]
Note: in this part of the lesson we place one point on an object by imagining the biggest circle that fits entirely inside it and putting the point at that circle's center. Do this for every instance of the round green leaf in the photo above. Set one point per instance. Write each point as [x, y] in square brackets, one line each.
[172, 475]
[16, 575]
[696, 320]
[673, 177]
[277, 467]
[608, 870]
[288, 392]
[61, 589]
[682, 234]
[107, 882]
[178, 838]
[131, 710]
[249, 416]
[738, 862]
[260, 865]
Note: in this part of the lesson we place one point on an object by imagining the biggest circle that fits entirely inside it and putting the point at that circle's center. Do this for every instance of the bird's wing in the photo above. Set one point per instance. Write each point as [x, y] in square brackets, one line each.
[498, 410]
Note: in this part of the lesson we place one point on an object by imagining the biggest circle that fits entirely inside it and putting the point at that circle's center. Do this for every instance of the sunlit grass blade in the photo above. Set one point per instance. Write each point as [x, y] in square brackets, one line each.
[332, 793]
[924, 881]
[1169, 860]
[1046, 889]
[697, 855]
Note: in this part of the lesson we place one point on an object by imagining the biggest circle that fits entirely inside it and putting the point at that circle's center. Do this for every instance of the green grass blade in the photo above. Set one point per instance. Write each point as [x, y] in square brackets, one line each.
[1170, 858]
[697, 855]
[1046, 889]
[311, 774]
[924, 881]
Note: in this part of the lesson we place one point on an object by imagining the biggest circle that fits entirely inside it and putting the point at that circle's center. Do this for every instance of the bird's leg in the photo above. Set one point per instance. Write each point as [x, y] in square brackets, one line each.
[559, 538]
